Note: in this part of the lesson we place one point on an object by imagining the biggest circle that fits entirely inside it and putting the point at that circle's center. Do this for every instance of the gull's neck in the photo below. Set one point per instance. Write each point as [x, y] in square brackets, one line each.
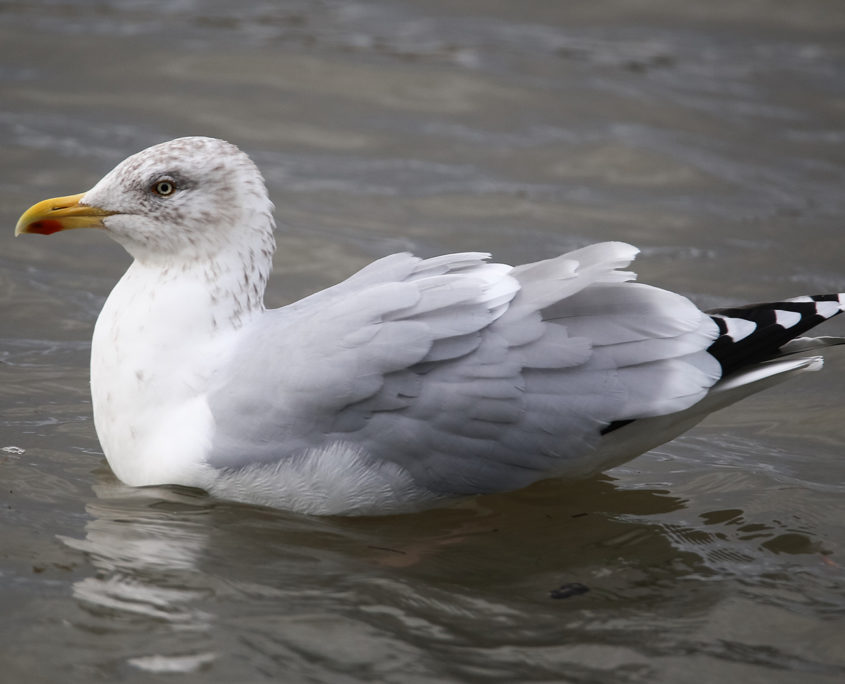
[227, 284]
[232, 282]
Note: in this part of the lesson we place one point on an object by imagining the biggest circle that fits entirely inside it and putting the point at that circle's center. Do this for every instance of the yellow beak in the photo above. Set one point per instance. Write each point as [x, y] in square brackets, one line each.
[60, 213]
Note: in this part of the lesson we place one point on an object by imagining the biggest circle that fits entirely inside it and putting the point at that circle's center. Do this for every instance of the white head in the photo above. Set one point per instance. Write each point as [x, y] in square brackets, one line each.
[189, 198]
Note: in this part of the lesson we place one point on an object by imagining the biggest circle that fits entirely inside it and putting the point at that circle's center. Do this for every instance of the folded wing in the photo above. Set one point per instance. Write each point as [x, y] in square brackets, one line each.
[465, 375]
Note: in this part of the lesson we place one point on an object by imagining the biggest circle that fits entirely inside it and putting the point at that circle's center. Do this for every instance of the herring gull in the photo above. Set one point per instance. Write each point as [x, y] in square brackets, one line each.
[412, 382]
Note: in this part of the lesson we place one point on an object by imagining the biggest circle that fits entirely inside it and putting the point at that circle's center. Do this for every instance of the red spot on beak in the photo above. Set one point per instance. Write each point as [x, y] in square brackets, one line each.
[44, 227]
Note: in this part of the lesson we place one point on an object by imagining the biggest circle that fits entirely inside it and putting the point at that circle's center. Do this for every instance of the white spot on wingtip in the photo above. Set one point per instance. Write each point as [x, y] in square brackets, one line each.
[786, 319]
[828, 309]
[738, 328]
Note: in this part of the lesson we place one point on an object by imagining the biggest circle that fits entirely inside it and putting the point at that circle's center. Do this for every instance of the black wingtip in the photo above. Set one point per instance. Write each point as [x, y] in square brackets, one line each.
[753, 333]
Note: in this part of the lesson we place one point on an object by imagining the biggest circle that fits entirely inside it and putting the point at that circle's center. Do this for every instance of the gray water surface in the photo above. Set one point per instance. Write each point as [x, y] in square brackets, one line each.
[711, 135]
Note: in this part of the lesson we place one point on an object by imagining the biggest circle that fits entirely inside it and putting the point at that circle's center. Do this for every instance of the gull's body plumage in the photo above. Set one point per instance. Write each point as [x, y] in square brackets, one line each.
[413, 381]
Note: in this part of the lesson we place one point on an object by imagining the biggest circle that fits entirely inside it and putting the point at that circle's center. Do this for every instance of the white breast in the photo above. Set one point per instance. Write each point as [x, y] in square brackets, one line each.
[153, 355]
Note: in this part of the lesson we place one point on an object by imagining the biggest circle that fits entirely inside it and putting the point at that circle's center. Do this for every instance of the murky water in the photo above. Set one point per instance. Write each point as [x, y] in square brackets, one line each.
[709, 134]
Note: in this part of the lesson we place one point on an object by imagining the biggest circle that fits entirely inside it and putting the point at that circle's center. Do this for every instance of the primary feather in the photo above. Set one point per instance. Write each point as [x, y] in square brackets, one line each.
[414, 380]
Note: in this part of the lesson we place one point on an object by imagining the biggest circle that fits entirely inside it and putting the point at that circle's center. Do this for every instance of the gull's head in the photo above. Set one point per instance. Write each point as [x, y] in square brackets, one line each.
[190, 197]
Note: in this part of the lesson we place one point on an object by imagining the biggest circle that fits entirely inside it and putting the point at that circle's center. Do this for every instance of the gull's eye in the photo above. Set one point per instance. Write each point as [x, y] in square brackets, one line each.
[164, 187]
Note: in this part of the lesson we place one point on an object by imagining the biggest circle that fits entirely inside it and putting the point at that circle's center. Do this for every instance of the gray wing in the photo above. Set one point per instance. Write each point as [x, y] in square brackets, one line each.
[469, 376]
